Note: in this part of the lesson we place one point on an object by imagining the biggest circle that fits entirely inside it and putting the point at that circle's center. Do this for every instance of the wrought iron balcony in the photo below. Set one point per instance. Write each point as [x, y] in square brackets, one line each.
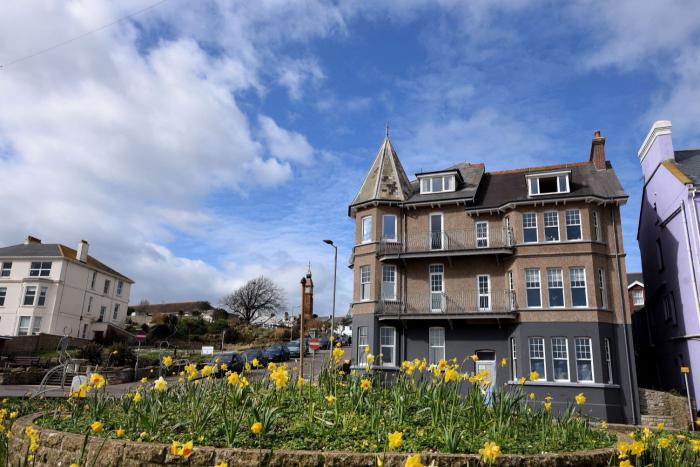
[466, 302]
[467, 241]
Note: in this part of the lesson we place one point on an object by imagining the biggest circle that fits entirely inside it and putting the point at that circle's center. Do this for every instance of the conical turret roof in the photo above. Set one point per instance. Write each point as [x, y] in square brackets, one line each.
[386, 179]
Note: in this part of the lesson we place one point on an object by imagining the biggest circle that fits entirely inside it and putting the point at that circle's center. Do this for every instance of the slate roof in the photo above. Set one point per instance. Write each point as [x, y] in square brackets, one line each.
[55, 250]
[386, 179]
[688, 161]
[635, 277]
[466, 188]
[500, 188]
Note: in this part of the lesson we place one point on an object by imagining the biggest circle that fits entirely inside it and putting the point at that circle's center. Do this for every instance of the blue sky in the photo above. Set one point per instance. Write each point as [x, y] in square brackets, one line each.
[200, 144]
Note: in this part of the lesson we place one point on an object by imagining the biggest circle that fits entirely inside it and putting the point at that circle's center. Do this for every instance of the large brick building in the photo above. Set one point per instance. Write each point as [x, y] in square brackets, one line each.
[526, 264]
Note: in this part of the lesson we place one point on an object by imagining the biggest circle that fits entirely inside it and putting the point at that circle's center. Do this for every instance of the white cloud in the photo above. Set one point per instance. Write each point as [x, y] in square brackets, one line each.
[284, 144]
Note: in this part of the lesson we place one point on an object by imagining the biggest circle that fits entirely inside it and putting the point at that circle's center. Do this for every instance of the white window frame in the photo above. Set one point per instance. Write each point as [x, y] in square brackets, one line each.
[637, 297]
[596, 225]
[587, 340]
[436, 344]
[24, 330]
[36, 327]
[558, 355]
[527, 218]
[366, 229]
[559, 284]
[120, 288]
[3, 296]
[107, 286]
[436, 270]
[528, 287]
[362, 343]
[384, 347]
[533, 181]
[481, 231]
[545, 215]
[483, 293]
[396, 225]
[42, 296]
[447, 183]
[511, 290]
[572, 287]
[539, 340]
[388, 271]
[514, 357]
[40, 268]
[6, 269]
[602, 287]
[608, 360]
[26, 294]
[115, 312]
[365, 283]
[570, 216]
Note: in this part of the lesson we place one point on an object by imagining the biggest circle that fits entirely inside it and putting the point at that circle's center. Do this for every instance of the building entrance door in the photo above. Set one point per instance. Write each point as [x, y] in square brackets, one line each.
[490, 367]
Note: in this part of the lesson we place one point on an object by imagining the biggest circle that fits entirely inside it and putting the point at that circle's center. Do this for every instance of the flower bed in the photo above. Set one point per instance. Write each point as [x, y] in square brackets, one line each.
[425, 411]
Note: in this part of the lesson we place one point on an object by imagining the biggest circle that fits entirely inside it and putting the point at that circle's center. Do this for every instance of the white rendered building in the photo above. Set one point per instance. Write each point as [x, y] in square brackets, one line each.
[54, 289]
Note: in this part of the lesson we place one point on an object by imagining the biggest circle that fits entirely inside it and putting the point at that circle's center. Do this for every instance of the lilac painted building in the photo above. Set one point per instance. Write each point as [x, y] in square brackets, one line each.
[669, 240]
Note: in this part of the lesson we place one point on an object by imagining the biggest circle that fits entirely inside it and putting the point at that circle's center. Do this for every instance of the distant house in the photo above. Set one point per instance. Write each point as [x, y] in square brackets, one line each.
[644, 349]
[54, 289]
[152, 314]
[669, 241]
[635, 290]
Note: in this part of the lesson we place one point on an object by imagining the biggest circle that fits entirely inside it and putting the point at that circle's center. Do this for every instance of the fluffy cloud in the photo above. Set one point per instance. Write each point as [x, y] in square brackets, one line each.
[283, 144]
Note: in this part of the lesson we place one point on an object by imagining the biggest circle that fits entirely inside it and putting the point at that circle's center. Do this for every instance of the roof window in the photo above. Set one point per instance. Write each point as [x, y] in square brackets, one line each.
[548, 184]
[437, 184]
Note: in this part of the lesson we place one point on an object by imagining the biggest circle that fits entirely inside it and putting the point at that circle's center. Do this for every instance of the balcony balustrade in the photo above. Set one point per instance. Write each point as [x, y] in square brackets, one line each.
[469, 241]
[461, 303]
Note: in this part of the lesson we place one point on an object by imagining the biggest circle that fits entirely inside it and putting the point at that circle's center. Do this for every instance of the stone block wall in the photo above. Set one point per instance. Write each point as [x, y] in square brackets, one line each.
[62, 449]
[659, 406]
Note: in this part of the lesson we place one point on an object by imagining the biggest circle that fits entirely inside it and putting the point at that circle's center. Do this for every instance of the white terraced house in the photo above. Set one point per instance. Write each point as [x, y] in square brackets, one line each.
[54, 289]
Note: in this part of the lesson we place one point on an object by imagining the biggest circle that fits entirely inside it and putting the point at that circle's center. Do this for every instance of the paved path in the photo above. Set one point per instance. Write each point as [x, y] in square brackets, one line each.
[312, 365]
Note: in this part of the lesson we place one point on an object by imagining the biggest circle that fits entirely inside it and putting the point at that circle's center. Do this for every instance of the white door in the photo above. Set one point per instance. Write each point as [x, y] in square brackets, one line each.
[437, 297]
[490, 367]
[483, 283]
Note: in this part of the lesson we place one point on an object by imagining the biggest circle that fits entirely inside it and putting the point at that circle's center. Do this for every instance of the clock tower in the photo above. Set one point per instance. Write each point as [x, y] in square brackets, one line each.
[307, 295]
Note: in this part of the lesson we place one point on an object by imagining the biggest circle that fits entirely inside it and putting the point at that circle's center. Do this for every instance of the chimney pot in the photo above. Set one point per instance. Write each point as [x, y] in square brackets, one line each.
[598, 151]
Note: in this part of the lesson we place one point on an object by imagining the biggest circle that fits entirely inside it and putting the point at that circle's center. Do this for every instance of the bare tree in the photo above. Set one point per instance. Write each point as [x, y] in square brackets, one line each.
[258, 298]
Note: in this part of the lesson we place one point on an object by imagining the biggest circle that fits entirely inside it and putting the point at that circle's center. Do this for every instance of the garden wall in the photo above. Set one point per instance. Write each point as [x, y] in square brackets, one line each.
[32, 345]
[659, 406]
[57, 448]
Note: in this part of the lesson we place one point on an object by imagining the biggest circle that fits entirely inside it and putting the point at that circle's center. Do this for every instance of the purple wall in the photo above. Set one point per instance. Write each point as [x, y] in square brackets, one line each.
[668, 216]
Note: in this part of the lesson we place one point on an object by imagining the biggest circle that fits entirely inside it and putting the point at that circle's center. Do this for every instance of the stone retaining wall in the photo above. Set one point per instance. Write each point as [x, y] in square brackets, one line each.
[656, 406]
[61, 449]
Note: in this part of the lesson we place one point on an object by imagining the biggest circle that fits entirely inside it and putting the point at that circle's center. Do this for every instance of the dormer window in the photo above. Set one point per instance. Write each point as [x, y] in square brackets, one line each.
[548, 183]
[437, 184]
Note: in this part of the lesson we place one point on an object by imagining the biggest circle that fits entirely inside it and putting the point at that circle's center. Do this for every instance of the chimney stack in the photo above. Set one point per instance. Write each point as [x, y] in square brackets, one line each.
[82, 251]
[32, 240]
[598, 151]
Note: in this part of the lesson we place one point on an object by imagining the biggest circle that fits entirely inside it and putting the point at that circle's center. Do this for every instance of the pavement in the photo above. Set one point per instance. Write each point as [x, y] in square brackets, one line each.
[312, 366]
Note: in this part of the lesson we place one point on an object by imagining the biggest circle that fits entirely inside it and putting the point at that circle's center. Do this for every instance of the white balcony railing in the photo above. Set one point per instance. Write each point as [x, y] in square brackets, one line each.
[455, 240]
[463, 302]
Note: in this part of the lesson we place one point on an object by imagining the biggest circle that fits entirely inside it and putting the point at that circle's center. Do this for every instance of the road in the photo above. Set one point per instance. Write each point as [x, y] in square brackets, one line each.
[312, 366]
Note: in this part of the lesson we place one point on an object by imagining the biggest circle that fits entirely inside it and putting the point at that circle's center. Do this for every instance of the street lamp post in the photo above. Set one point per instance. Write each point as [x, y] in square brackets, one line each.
[335, 275]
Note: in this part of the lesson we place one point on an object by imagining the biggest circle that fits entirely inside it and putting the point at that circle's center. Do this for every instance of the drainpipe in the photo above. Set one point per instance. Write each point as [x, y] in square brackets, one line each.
[624, 314]
[690, 260]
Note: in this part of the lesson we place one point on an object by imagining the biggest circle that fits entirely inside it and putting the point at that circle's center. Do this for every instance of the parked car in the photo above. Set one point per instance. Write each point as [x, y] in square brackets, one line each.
[233, 360]
[277, 353]
[325, 342]
[293, 347]
[252, 354]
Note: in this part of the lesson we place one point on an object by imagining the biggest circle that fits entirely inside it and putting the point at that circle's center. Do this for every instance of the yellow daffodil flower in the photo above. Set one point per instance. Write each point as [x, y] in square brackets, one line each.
[160, 384]
[521, 380]
[256, 428]
[604, 425]
[137, 397]
[233, 379]
[660, 426]
[96, 426]
[637, 448]
[625, 463]
[144, 380]
[548, 406]
[413, 461]
[474, 358]
[167, 361]
[97, 380]
[504, 362]
[365, 384]
[534, 376]
[395, 440]
[580, 398]
[532, 396]
[330, 398]
[490, 452]
[120, 432]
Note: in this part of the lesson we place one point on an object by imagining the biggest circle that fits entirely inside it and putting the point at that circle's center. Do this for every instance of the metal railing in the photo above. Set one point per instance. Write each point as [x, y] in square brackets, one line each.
[466, 301]
[448, 240]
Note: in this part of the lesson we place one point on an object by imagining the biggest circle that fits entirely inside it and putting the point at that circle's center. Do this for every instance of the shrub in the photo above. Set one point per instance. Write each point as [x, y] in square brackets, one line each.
[121, 355]
[92, 352]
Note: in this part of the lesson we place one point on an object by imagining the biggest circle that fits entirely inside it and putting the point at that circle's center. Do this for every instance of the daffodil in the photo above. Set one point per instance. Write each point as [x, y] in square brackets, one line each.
[548, 406]
[664, 442]
[637, 448]
[144, 380]
[187, 449]
[207, 371]
[504, 362]
[370, 359]
[160, 384]
[580, 398]
[395, 440]
[137, 397]
[233, 379]
[623, 448]
[365, 384]
[174, 448]
[222, 464]
[13, 415]
[534, 376]
[490, 452]
[694, 445]
[167, 361]
[120, 432]
[532, 396]
[413, 461]
[33, 435]
[451, 375]
[330, 398]
[337, 354]
[96, 426]
[475, 358]
[255, 363]
[604, 425]
[97, 380]
[521, 380]
[625, 463]
[256, 428]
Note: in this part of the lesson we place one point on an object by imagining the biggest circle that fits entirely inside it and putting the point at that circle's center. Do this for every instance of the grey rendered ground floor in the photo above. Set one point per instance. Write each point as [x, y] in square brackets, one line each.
[601, 352]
